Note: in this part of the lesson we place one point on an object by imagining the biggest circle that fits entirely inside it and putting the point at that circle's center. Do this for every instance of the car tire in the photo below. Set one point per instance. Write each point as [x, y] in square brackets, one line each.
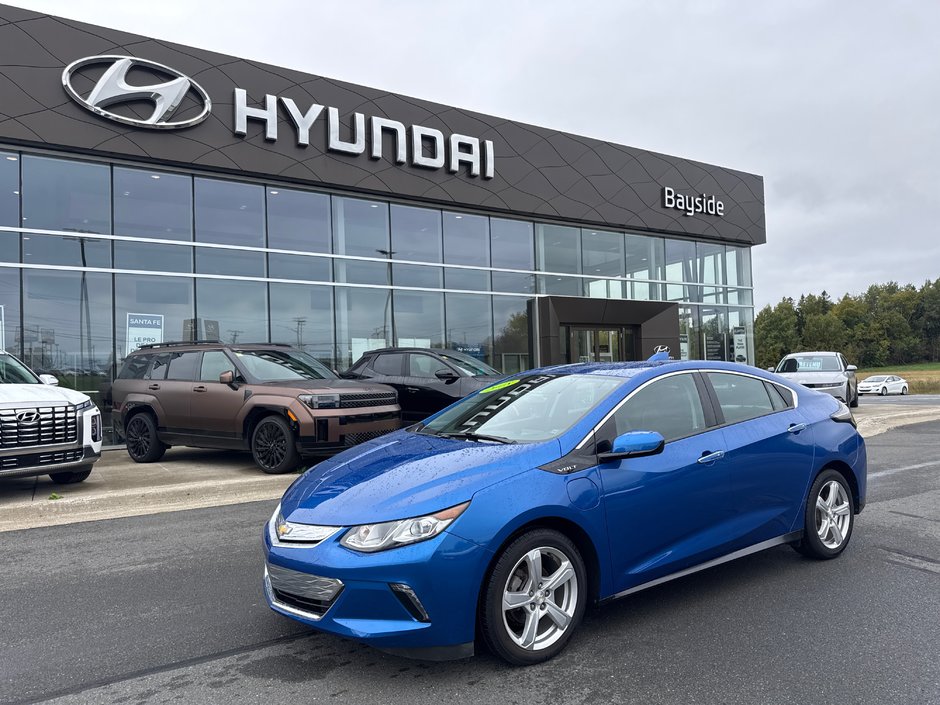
[71, 477]
[883, 392]
[853, 402]
[903, 391]
[141, 439]
[541, 617]
[273, 447]
[828, 517]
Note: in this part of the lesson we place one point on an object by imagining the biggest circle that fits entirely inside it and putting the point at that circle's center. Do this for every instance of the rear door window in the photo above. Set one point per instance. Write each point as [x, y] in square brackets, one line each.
[389, 364]
[740, 398]
[183, 365]
[135, 367]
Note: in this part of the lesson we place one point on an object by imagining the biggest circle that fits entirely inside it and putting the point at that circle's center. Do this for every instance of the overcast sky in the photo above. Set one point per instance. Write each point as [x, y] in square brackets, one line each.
[835, 103]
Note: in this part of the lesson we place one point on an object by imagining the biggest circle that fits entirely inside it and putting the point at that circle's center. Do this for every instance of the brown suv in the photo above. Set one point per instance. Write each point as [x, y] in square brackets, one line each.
[276, 401]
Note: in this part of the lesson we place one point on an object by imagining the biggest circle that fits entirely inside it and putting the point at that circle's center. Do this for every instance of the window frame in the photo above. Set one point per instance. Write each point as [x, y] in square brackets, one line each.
[378, 356]
[786, 392]
[436, 358]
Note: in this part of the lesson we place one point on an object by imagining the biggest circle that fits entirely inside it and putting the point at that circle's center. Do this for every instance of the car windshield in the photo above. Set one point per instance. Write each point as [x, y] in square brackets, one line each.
[282, 365]
[878, 378]
[810, 363]
[524, 409]
[470, 366]
[12, 371]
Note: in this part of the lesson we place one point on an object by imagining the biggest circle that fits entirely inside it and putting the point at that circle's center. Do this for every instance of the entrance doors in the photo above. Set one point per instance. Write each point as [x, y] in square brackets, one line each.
[600, 344]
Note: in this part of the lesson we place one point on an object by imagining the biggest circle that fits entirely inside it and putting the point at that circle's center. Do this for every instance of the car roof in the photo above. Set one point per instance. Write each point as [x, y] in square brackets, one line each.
[211, 344]
[812, 352]
[433, 351]
[631, 369]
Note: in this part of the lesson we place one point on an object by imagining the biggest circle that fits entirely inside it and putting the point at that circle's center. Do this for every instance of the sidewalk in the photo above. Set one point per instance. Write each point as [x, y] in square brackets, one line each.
[190, 478]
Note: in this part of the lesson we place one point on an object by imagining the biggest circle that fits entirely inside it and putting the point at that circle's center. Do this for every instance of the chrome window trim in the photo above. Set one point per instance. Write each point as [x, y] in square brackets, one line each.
[796, 399]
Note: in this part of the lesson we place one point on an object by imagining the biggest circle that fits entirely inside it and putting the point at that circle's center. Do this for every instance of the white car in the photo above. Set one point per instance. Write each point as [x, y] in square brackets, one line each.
[823, 371]
[45, 429]
[883, 384]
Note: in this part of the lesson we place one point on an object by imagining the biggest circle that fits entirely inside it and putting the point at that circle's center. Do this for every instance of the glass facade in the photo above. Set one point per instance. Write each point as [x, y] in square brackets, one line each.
[89, 250]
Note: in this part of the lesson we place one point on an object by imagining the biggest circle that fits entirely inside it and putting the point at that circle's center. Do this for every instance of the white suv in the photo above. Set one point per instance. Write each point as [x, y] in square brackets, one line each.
[45, 429]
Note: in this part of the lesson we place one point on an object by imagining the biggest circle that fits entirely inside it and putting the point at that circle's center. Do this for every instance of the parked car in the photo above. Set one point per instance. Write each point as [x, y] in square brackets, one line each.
[277, 402]
[426, 380]
[824, 371]
[528, 500]
[44, 428]
[883, 385]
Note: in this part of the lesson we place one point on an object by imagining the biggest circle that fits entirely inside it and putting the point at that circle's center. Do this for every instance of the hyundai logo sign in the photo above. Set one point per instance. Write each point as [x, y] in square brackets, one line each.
[113, 89]
[29, 416]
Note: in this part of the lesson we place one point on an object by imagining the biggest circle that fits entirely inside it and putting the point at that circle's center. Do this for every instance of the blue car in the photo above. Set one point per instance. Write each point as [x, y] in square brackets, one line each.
[501, 518]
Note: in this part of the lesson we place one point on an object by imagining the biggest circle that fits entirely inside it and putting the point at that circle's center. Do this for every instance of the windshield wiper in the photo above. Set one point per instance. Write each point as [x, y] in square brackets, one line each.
[471, 436]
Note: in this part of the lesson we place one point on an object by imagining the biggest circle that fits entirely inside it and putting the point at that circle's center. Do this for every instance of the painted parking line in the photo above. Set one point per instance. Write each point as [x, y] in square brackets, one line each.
[894, 471]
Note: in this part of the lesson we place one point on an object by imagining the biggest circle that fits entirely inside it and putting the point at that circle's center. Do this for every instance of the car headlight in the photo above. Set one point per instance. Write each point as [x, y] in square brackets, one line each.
[85, 405]
[370, 538]
[320, 401]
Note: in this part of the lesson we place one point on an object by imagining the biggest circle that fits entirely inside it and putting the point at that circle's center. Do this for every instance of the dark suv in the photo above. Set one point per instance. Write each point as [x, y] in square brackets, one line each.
[276, 401]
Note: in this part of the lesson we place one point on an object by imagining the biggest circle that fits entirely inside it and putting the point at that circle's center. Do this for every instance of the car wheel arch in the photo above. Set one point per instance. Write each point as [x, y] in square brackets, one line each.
[257, 413]
[849, 476]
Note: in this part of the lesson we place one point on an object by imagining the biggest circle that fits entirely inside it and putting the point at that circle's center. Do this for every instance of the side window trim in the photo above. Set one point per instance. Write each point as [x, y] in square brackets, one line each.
[714, 396]
[714, 416]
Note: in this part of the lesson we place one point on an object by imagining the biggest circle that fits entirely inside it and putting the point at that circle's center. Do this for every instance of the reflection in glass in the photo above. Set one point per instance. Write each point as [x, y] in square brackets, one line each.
[11, 334]
[511, 344]
[559, 286]
[467, 279]
[419, 319]
[602, 255]
[62, 194]
[302, 316]
[239, 263]
[512, 244]
[360, 228]
[229, 213]
[363, 322]
[152, 297]
[644, 257]
[359, 272]
[714, 327]
[298, 220]
[66, 250]
[470, 324]
[153, 204]
[416, 233]
[558, 249]
[231, 311]
[67, 331]
[513, 283]
[711, 260]
[741, 329]
[299, 267]
[466, 239]
[9, 189]
[738, 266]
[9, 247]
[152, 257]
[418, 276]
[680, 261]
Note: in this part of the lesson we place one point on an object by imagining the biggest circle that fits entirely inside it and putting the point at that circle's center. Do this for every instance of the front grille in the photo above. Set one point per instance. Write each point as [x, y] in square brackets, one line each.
[38, 426]
[352, 401]
[303, 591]
[352, 439]
[39, 459]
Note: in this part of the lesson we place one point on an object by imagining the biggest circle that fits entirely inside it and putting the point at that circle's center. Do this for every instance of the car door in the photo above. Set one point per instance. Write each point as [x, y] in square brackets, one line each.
[175, 390]
[769, 453]
[425, 392]
[665, 512]
[216, 407]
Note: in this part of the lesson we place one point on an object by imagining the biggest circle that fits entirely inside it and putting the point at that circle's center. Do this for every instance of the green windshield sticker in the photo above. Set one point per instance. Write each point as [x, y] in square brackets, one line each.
[501, 385]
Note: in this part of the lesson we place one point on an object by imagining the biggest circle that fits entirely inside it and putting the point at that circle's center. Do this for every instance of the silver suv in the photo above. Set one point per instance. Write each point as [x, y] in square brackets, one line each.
[823, 371]
[45, 429]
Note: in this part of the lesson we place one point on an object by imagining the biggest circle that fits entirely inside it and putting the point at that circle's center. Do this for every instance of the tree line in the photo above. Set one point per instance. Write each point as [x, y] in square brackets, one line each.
[889, 324]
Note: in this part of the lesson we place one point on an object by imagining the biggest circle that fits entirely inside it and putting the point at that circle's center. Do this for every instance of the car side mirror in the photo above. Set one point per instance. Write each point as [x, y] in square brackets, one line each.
[228, 377]
[634, 444]
[851, 368]
[446, 375]
[51, 380]
[771, 369]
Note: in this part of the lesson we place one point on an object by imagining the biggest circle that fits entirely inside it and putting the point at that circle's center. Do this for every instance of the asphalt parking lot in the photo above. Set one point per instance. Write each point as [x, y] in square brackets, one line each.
[168, 608]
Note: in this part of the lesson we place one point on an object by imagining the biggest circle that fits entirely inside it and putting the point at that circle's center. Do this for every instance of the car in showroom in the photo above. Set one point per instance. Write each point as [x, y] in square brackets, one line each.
[45, 429]
[883, 385]
[426, 379]
[277, 402]
[503, 517]
[827, 372]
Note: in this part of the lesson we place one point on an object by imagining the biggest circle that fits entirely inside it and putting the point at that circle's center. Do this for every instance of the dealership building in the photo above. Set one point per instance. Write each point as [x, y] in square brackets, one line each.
[154, 192]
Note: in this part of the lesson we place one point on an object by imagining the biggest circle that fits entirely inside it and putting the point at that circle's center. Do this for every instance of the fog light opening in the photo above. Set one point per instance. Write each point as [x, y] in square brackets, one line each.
[410, 601]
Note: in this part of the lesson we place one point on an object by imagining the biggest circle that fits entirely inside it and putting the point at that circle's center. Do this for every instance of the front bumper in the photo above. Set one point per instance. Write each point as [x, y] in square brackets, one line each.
[351, 594]
[45, 462]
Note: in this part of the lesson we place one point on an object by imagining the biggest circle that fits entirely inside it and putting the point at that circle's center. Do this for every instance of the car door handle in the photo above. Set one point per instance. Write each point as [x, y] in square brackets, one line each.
[796, 427]
[413, 390]
[200, 388]
[711, 457]
[154, 386]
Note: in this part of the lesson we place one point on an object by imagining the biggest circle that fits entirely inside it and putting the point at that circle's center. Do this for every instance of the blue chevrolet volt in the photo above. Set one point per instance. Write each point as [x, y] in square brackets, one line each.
[501, 518]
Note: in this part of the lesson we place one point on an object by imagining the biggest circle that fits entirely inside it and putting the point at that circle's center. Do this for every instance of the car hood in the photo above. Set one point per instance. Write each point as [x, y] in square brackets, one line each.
[39, 394]
[814, 377]
[404, 475]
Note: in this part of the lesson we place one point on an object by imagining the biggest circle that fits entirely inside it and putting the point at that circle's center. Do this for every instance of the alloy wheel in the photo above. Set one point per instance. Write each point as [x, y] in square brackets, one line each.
[137, 437]
[540, 598]
[270, 445]
[833, 514]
